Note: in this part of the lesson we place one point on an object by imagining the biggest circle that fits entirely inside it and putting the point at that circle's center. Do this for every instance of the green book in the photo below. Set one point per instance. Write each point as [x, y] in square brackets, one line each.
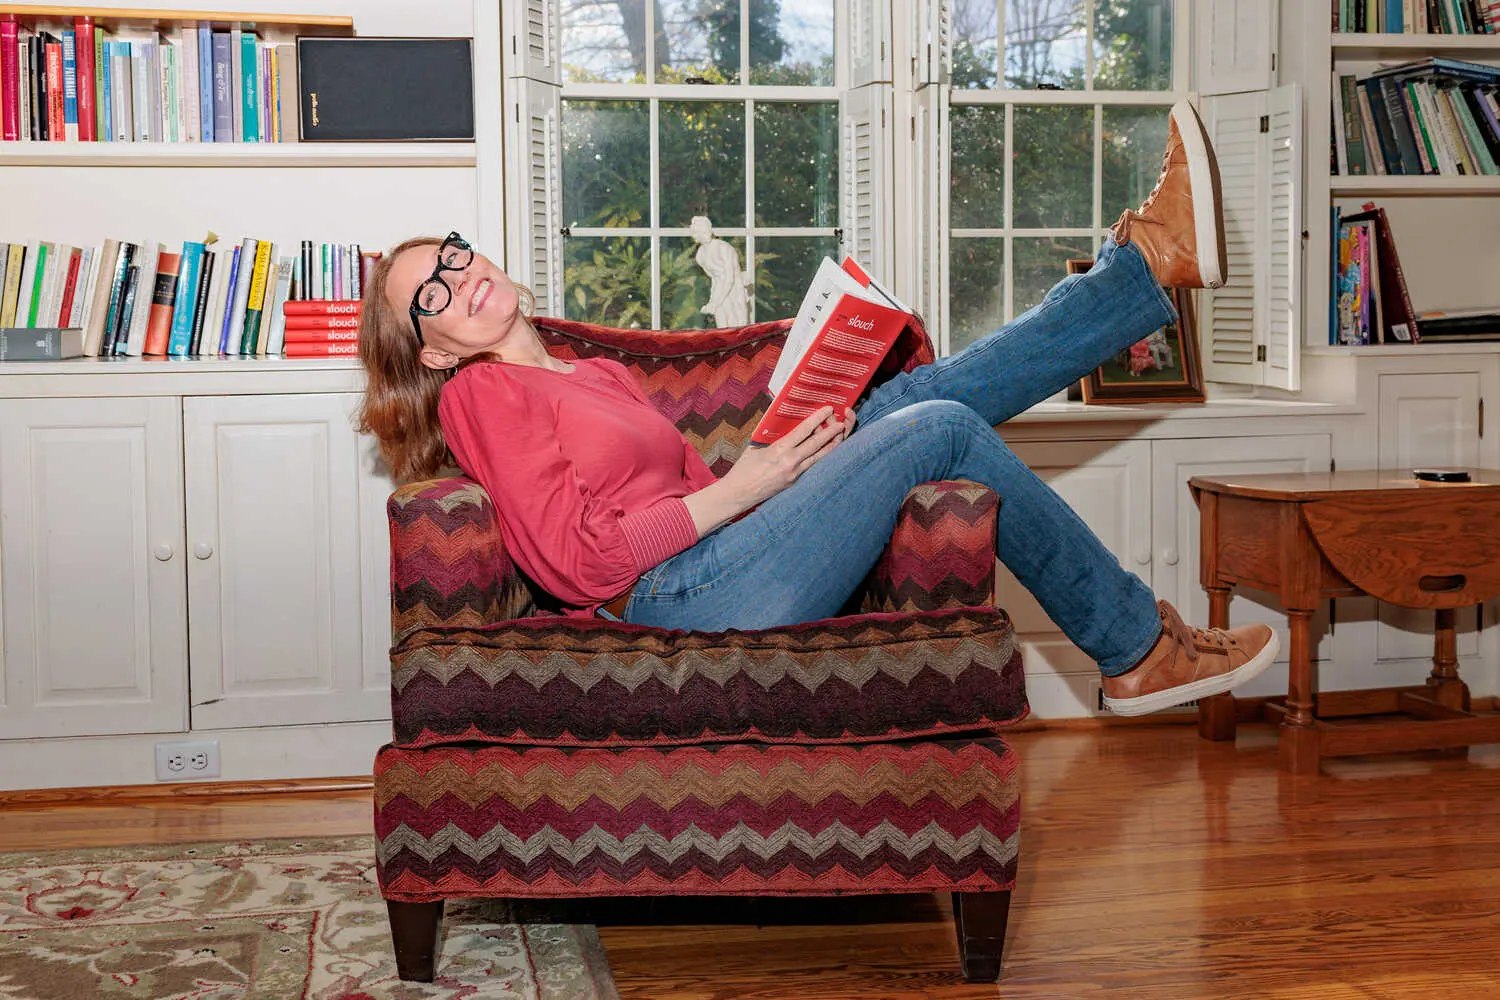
[249, 76]
[36, 284]
[1354, 143]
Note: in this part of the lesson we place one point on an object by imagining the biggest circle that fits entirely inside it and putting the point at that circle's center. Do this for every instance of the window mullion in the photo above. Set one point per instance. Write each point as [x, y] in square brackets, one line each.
[1010, 191]
[744, 41]
[655, 220]
[1098, 200]
[748, 265]
[1088, 45]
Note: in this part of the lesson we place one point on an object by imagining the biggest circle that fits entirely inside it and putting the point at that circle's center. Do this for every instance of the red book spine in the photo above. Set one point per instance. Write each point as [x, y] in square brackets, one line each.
[315, 336]
[55, 92]
[83, 30]
[320, 307]
[322, 323]
[322, 350]
[10, 80]
[163, 301]
[70, 288]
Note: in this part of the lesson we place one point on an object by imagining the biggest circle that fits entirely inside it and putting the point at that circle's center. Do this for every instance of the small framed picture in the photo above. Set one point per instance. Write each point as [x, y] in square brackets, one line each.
[1165, 367]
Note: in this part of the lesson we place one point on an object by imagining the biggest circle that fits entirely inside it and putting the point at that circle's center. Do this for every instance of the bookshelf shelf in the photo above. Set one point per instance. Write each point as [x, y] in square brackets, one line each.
[1425, 186]
[1352, 45]
[309, 23]
[237, 154]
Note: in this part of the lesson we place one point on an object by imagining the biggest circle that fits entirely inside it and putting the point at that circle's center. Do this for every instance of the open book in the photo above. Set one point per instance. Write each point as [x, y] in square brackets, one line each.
[844, 328]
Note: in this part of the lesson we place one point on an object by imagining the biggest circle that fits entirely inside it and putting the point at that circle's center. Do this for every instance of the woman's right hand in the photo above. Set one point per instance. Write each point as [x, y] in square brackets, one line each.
[761, 473]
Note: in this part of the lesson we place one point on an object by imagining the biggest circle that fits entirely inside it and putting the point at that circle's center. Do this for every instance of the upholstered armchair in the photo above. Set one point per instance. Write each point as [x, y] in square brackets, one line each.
[535, 755]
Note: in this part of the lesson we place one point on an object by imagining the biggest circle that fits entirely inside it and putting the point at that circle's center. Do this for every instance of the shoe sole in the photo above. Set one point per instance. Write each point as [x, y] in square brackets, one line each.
[1203, 175]
[1157, 700]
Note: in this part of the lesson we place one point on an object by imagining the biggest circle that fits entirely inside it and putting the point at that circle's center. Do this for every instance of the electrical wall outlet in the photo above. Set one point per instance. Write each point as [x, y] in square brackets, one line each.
[186, 760]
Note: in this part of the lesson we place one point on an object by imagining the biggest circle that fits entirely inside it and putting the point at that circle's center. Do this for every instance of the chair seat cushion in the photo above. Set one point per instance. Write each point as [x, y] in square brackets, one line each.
[922, 816]
[569, 682]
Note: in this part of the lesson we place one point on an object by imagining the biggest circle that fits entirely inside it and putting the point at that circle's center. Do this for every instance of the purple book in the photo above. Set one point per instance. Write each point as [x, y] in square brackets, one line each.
[234, 270]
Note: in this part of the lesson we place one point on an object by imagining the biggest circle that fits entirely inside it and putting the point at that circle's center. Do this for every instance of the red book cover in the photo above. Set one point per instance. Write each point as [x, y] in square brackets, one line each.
[322, 323]
[837, 366]
[55, 114]
[332, 350]
[320, 307]
[70, 288]
[163, 302]
[319, 336]
[10, 81]
[83, 30]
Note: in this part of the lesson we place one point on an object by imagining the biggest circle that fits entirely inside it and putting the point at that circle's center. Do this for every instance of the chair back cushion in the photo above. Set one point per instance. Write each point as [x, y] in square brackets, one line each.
[711, 383]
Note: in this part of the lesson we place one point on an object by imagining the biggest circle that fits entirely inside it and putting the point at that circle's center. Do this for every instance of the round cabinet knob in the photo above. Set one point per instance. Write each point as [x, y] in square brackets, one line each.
[203, 550]
[1143, 556]
[1169, 557]
[163, 552]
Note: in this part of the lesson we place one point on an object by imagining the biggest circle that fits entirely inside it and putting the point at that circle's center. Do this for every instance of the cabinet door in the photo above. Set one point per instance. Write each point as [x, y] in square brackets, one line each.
[92, 623]
[1425, 419]
[1174, 519]
[273, 530]
[1108, 484]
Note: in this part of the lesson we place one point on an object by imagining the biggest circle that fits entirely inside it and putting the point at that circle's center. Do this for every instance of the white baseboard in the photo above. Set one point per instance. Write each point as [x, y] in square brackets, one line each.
[323, 751]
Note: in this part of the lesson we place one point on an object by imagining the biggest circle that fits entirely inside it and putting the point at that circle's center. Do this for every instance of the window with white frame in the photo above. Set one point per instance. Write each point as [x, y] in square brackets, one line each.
[1057, 123]
[678, 110]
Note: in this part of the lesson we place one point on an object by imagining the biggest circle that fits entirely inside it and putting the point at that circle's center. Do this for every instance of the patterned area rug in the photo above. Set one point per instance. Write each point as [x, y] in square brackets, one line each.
[267, 919]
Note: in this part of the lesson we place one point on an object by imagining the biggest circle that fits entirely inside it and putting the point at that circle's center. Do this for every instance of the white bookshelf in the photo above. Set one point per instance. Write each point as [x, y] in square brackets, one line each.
[1388, 185]
[236, 154]
[1356, 45]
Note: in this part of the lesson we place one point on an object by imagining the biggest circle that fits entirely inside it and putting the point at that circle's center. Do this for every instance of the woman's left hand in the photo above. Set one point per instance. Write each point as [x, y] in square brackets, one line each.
[848, 424]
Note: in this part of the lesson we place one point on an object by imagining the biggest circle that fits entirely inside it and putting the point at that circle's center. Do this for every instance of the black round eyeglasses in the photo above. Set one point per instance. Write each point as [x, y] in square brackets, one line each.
[434, 295]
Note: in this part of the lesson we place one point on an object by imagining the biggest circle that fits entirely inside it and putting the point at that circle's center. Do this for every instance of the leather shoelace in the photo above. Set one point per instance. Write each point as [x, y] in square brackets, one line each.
[1132, 216]
[1183, 635]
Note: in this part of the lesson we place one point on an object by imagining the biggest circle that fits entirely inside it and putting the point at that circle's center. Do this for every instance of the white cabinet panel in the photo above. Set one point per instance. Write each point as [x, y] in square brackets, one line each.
[1175, 527]
[375, 487]
[274, 573]
[1108, 484]
[1425, 419]
[91, 593]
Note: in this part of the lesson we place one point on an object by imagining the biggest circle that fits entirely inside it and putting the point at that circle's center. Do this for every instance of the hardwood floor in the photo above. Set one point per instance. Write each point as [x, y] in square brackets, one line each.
[1153, 865]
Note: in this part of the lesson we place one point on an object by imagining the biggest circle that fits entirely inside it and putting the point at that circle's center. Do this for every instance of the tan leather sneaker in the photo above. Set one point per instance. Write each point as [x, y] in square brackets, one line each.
[1179, 228]
[1188, 663]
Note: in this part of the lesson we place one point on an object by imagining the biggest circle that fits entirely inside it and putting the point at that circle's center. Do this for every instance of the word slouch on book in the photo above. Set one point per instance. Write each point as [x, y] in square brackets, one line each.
[844, 328]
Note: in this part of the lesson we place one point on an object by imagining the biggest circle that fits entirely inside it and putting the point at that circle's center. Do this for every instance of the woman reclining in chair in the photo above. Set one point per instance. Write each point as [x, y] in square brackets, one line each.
[609, 509]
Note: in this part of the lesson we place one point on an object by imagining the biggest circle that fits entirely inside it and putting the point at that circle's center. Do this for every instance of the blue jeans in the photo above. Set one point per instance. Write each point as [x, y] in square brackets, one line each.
[802, 553]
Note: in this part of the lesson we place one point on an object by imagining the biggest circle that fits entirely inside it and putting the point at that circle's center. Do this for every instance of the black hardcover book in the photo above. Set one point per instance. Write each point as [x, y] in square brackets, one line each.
[381, 89]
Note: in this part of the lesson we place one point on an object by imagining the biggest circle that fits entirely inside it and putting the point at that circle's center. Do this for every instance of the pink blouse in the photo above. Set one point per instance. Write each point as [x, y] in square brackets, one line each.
[587, 476]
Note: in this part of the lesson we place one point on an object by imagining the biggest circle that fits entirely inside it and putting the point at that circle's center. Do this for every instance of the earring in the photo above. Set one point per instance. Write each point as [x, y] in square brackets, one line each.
[527, 300]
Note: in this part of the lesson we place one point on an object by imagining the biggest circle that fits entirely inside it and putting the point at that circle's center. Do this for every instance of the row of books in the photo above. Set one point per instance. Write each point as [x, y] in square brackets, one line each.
[1421, 17]
[142, 298]
[1433, 116]
[1370, 302]
[188, 84]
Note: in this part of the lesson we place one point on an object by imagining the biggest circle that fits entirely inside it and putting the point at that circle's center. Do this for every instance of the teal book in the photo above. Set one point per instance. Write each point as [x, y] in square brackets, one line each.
[181, 341]
[250, 78]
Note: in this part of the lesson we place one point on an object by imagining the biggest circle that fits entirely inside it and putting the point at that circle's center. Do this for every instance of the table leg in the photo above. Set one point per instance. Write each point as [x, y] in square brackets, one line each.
[1217, 714]
[1298, 736]
[1443, 683]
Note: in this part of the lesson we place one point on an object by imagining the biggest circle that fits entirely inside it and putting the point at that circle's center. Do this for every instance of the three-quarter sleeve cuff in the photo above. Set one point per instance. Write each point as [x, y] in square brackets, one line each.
[658, 532]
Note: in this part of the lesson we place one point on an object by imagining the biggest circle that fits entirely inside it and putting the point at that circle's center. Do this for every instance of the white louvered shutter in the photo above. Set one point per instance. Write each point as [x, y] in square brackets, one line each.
[1229, 313]
[1251, 327]
[533, 43]
[866, 165]
[533, 140]
[933, 41]
[1284, 240]
[869, 42]
[929, 158]
[1236, 45]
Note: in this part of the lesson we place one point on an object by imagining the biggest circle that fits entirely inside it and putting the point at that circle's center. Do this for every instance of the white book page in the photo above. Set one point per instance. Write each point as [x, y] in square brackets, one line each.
[830, 281]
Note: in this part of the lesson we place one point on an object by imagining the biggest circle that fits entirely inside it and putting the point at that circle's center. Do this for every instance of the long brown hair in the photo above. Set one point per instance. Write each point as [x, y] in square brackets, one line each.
[401, 394]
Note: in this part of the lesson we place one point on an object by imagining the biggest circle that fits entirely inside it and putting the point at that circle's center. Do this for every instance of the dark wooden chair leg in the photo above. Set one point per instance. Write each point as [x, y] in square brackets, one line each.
[414, 933]
[979, 918]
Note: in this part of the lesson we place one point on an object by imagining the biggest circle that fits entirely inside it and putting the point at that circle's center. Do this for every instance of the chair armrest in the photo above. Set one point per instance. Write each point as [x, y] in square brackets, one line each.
[941, 553]
[448, 560]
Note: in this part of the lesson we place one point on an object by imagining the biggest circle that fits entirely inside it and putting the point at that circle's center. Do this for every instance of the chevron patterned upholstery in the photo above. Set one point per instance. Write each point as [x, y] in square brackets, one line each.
[537, 755]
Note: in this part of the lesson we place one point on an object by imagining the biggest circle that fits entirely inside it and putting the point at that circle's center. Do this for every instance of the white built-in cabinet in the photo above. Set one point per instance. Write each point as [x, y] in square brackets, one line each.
[274, 538]
[190, 563]
[93, 638]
